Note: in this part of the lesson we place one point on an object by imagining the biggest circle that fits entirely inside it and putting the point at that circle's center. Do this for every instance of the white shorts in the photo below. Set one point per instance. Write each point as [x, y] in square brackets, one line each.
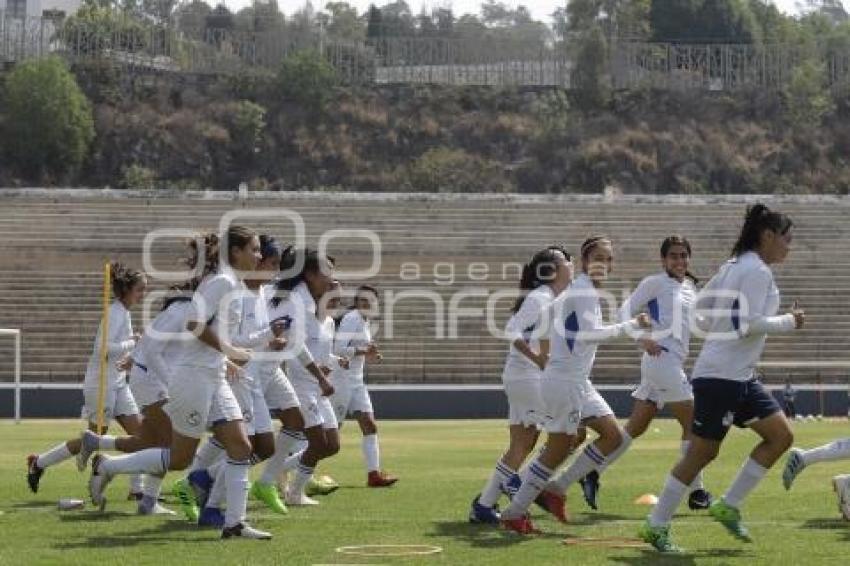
[594, 405]
[662, 380]
[118, 402]
[277, 390]
[350, 397]
[198, 399]
[147, 387]
[563, 401]
[315, 408]
[255, 412]
[525, 402]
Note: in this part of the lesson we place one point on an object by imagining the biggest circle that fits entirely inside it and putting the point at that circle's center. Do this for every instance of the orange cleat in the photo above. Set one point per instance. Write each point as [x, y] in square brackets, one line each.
[380, 479]
[554, 504]
[521, 525]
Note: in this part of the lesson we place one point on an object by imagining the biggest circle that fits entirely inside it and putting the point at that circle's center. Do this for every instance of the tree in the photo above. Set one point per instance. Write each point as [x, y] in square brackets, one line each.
[374, 23]
[49, 126]
[344, 22]
[192, 18]
[704, 21]
[589, 76]
[307, 78]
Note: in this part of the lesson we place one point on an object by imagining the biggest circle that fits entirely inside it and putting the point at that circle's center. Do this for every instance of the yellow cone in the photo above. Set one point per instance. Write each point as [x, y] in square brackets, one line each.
[646, 499]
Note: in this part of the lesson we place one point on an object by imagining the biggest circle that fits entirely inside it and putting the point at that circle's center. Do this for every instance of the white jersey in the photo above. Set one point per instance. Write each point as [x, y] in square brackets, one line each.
[525, 324]
[738, 309]
[669, 304]
[576, 329]
[118, 343]
[353, 334]
[297, 312]
[161, 344]
[213, 304]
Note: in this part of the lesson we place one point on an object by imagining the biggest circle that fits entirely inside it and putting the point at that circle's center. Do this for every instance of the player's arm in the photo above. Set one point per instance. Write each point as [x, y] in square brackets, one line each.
[753, 320]
[528, 315]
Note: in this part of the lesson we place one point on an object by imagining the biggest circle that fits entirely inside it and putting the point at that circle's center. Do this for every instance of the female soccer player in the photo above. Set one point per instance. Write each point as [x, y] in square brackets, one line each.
[353, 341]
[199, 395]
[128, 288]
[669, 298]
[576, 330]
[743, 299]
[543, 278]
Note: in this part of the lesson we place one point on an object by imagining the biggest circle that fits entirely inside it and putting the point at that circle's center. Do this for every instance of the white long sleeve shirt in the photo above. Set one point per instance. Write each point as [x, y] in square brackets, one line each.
[526, 324]
[739, 307]
[576, 331]
[669, 304]
[353, 334]
[297, 312]
[118, 343]
[163, 340]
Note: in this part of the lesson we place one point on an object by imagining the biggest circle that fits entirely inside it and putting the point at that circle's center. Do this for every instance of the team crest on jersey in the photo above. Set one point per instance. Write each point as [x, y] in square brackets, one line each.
[193, 418]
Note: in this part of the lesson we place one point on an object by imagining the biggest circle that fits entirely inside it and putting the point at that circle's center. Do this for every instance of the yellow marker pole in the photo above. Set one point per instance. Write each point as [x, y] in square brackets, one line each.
[104, 348]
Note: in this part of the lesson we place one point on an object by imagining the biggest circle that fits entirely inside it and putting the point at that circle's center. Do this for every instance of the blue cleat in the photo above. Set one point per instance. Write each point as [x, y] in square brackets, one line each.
[590, 488]
[483, 515]
[211, 517]
[201, 483]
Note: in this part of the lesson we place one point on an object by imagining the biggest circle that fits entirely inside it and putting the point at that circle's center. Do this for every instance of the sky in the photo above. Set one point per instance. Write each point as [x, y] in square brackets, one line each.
[540, 9]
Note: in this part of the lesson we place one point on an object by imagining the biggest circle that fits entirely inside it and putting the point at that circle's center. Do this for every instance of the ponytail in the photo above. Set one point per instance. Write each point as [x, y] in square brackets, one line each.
[539, 271]
[123, 278]
[290, 258]
[758, 219]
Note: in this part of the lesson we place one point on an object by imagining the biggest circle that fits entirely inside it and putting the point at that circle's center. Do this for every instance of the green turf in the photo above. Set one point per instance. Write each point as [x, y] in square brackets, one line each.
[442, 465]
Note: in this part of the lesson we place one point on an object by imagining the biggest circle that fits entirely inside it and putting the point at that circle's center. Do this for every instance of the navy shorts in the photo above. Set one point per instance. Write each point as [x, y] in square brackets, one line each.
[721, 403]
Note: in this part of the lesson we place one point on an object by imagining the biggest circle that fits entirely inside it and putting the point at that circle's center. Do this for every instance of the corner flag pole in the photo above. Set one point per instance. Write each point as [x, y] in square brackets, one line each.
[104, 347]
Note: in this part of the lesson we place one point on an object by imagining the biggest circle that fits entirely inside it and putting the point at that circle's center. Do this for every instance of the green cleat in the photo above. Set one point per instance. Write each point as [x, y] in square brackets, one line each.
[730, 518]
[184, 494]
[321, 486]
[268, 494]
[659, 538]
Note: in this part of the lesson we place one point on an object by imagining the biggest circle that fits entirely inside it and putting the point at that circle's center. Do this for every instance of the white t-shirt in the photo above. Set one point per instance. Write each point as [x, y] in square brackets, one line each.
[163, 340]
[118, 343]
[525, 324]
[213, 304]
[353, 333]
[669, 304]
[745, 301]
[297, 311]
[576, 331]
[319, 343]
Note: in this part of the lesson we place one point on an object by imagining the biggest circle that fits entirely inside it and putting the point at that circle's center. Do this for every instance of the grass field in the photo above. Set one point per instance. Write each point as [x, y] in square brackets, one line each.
[442, 465]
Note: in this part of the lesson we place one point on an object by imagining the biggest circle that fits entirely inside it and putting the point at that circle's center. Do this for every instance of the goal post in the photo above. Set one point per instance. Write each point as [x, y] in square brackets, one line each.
[16, 334]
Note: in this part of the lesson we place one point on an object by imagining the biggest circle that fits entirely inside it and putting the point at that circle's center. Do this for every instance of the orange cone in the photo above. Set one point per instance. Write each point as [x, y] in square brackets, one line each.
[646, 499]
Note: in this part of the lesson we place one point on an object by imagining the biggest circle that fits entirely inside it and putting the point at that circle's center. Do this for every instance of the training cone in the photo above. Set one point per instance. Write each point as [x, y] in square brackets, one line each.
[646, 499]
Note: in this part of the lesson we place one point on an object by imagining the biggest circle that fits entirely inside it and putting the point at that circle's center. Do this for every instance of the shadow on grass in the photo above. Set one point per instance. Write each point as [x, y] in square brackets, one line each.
[829, 524]
[651, 557]
[29, 505]
[486, 536]
[591, 518]
[163, 533]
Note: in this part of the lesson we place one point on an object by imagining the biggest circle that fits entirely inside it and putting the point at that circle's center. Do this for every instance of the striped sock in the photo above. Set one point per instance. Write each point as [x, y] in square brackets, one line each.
[533, 482]
[209, 453]
[590, 459]
[279, 462]
[302, 476]
[501, 475]
[236, 478]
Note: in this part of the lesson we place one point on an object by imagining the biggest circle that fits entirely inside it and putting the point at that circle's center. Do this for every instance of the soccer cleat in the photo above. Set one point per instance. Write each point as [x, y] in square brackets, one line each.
[88, 446]
[380, 479]
[793, 466]
[34, 473]
[318, 487]
[659, 538]
[183, 492]
[211, 517]
[150, 506]
[244, 530]
[590, 488]
[98, 481]
[268, 494]
[299, 500]
[730, 518]
[553, 503]
[482, 515]
[521, 525]
[510, 487]
[841, 485]
[201, 483]
[699, 500]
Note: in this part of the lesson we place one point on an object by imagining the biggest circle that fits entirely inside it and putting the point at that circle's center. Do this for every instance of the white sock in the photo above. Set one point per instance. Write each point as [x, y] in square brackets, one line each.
[501, 475]
[302, 476]
[290, 441]
[55, 455]
[748, 478]
[209, 453]
[219, 486]
[590, 459]
[697, 483]
[137, 483]
[371, 453]
[236, 479]
[615, 455]
[534, 480]
[673, 493]
[149, 461]
[838, 450]
[106, 442]
[153, 486]
[280, 462]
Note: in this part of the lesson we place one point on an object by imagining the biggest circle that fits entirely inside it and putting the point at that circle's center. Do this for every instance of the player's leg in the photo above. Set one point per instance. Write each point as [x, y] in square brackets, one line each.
[683, 412]
[799, 459]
